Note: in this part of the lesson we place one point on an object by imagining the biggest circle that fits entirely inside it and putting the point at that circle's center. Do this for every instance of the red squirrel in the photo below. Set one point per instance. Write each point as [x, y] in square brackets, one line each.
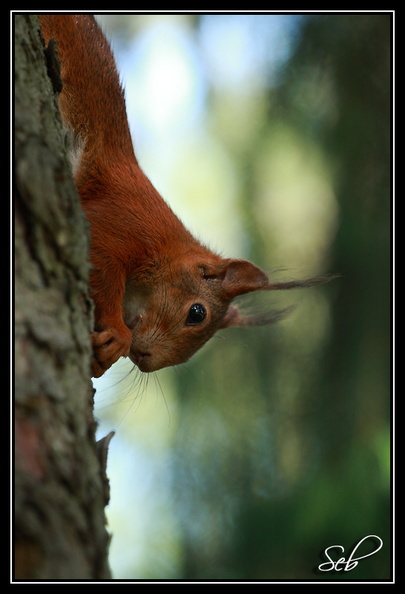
[158, 293]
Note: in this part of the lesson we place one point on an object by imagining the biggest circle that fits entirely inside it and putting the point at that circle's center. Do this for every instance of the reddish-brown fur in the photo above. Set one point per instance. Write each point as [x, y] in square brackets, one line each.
[147, 269]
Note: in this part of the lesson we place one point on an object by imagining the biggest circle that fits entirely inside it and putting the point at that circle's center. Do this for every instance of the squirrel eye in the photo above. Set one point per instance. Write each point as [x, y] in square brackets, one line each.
[196, 314]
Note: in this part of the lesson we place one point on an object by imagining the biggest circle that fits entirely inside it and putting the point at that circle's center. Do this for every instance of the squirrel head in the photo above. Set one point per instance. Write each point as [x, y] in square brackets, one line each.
[177, 306]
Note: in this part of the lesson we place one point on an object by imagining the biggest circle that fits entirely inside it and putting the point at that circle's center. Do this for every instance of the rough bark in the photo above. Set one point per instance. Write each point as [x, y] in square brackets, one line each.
[60, 487]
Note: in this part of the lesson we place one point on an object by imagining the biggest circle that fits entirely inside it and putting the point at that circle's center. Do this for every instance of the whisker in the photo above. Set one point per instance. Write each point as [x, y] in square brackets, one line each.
[159, 385]
[139, 387]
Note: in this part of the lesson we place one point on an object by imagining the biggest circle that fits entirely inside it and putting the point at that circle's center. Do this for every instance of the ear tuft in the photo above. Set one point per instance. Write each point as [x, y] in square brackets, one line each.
[302, 284]
[234, 318]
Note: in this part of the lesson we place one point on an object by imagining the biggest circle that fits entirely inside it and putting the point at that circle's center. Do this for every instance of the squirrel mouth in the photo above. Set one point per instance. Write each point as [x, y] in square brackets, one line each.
[142, 359]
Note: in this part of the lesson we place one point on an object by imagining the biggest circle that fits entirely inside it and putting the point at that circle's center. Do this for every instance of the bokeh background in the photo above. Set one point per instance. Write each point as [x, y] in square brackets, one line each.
[270, 137]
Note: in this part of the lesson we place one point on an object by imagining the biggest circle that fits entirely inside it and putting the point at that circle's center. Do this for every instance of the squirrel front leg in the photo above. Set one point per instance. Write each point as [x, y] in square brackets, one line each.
[111, 338]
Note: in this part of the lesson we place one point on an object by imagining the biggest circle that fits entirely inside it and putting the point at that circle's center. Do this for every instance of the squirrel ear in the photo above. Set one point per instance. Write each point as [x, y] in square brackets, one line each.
[240, 277]
[234, 317]
[231, 318]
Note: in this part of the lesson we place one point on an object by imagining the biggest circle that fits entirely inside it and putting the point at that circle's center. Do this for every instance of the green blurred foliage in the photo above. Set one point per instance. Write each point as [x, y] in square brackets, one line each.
[292, 449]
[280, 436]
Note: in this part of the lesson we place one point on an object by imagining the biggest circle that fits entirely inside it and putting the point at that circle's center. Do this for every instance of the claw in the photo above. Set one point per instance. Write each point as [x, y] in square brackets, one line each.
[108, 346]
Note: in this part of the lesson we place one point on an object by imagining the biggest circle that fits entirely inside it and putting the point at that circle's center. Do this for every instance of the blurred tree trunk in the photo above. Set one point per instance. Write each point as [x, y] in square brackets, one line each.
[60, 492]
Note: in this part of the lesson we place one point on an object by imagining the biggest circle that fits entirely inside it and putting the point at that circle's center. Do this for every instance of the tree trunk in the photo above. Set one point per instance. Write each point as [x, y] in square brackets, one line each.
[60, 487]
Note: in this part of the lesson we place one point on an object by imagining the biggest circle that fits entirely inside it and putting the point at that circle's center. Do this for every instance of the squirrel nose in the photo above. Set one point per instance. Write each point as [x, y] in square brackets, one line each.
[139, 357]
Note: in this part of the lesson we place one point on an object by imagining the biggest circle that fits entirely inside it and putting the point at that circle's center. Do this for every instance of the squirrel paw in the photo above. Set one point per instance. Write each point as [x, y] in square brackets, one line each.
[108, 346]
